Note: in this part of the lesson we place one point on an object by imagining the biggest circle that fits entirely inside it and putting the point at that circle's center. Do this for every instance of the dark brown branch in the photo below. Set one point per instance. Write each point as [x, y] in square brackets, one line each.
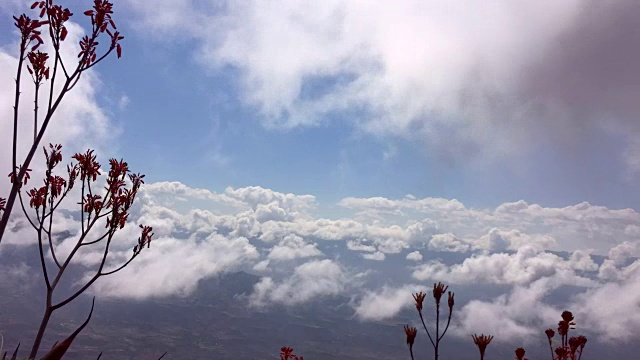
[97, 240]
[24, 210]
[425, 328]
[447, 327]
[42, 260]
[90, 282]
[121, 267]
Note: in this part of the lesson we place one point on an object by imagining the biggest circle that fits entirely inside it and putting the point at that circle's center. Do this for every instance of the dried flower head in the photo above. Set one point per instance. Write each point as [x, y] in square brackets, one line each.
[550, 333]
[451, 301]
[411, 333]
[520, 353]
[419, 298]
[438, 290]
[567, 316]
[577, 343]
[481, 342]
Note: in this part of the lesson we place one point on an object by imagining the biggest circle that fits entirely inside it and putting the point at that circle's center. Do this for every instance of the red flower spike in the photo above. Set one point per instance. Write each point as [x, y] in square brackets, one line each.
[27, 176]
[37, 197]
[57, 183]
[29, 31]
[89, 167]
[38, 68]
[144, 239]
[286, 353]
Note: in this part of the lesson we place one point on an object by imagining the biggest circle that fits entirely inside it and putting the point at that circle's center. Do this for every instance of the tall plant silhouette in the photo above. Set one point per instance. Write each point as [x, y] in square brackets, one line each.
[570, 348]
[438, 290]
[109, 207]
[53, 19]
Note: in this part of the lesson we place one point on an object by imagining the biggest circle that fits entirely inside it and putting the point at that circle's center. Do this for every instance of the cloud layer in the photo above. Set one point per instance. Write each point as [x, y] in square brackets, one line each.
[378, 254]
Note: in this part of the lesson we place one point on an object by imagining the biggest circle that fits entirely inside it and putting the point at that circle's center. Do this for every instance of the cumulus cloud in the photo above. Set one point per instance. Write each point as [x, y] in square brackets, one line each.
[447, 242]
[624, 251]
[414, 256]
[384, 303]
[311, 280]
[498, 240]
[610, 308]
[293, 247]
[174, 267]
[521, 313]
[378, 256]
[521, 268]
[356, 245]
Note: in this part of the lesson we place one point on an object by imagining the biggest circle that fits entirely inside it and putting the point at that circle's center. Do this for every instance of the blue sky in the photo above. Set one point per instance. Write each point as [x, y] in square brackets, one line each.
[188, 119]
[198, 130]
[273, 133]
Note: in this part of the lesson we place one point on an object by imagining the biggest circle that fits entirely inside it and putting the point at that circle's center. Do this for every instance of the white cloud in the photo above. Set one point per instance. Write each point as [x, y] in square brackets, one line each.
[192, 244]
[447, 242]
[581, 260]
[311, 280]
[174, 266]
[377, 256]
[414, 256]
[610, 308]
[521, 313]
[498, 240]
[293, 247]
[384, 303]
[624, 251]
[357, 245]
[521, 268]
[486, 75]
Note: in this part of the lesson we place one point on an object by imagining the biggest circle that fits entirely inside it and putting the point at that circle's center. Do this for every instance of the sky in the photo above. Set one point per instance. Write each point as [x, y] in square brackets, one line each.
[273, 132]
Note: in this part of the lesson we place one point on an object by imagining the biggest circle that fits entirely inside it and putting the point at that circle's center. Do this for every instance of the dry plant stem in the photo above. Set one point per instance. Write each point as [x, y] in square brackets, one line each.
[437, 330]
[425, 328]
[411, 352]
[35, 113]
[16, 184]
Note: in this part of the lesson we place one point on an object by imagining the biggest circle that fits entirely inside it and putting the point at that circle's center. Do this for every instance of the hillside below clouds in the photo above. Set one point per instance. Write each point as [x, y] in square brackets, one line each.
[216, 321]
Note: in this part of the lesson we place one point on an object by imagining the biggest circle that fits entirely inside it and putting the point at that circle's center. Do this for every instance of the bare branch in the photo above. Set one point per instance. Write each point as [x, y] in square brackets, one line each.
[24, 210]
